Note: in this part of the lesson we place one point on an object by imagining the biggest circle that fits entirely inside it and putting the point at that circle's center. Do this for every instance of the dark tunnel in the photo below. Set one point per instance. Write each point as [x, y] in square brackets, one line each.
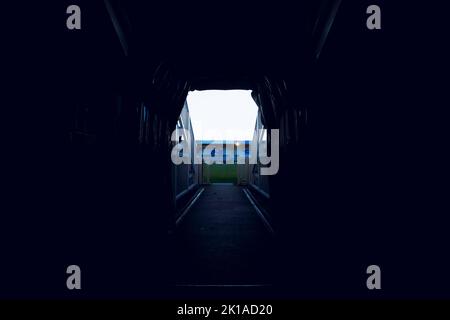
[90, 178]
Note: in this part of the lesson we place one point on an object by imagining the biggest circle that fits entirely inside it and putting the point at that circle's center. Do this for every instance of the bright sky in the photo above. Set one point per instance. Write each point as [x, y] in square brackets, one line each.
[222, 114]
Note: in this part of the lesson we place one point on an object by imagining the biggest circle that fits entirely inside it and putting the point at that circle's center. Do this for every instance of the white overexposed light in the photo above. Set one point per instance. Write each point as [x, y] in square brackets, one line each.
[222, 114]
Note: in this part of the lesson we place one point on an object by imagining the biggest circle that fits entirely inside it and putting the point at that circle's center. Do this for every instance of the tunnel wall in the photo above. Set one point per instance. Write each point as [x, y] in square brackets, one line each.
[260, 183]
[351, 191]
[186, 178]
[84, 188]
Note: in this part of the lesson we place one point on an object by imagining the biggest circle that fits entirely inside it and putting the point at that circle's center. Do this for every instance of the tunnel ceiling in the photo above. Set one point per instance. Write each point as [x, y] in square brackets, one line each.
[223, 46]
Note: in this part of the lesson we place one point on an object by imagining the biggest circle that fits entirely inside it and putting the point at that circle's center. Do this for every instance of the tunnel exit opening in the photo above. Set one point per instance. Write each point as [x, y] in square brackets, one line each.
[223, 124]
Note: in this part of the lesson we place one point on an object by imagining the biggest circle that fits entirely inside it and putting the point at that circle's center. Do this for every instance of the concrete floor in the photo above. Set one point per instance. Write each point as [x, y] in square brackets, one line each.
[222, 241]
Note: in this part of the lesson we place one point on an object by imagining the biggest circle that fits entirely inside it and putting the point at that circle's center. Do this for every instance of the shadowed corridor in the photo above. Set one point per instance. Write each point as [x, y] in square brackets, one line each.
[87, 153]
